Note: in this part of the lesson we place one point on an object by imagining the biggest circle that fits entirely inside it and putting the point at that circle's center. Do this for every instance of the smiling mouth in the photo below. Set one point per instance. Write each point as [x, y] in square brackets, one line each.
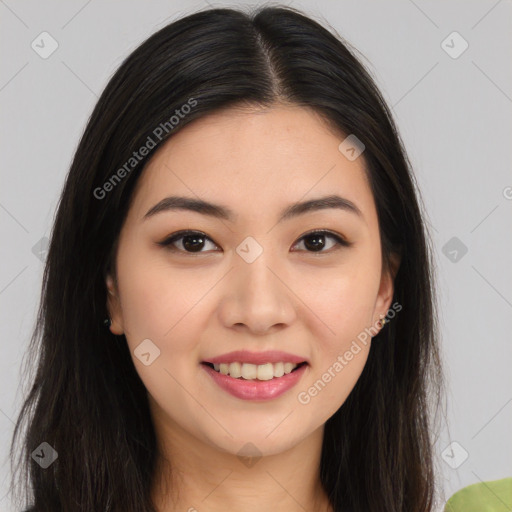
[262, 372]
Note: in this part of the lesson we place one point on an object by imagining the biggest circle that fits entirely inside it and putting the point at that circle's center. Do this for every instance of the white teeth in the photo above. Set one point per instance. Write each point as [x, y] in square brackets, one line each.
[235, 370]
[288, 367]
[278, 369]
[265, 371]
[249, 371]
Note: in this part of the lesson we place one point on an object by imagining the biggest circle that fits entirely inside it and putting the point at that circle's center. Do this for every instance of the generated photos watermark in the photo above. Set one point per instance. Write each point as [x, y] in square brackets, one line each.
[304, 397]
[158, 133]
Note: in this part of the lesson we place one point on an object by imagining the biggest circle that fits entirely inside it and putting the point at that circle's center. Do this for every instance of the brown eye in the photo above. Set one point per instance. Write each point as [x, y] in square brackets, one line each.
[315, 241]
[190, 241]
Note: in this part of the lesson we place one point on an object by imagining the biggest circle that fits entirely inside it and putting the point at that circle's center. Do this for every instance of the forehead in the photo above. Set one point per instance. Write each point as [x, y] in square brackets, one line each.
[256, 161]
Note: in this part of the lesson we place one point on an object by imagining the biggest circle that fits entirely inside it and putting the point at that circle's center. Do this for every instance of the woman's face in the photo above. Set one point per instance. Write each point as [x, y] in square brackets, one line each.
[250, 281]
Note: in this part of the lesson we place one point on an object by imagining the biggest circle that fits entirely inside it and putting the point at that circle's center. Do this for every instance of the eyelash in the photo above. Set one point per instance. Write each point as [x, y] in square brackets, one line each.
[340, 241]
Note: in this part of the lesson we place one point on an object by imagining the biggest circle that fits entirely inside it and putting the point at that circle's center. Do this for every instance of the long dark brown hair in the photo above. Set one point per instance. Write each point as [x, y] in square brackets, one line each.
[85, 397]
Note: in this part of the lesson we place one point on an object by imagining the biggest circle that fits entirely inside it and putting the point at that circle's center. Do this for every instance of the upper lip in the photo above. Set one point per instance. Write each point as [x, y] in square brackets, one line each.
[244, 356]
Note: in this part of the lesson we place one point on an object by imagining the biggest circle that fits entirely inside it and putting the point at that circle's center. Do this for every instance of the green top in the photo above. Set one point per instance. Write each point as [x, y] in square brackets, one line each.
[495, 496]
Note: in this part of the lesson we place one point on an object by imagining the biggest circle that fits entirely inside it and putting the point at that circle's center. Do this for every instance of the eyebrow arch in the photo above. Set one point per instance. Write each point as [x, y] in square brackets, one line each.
[221, 212]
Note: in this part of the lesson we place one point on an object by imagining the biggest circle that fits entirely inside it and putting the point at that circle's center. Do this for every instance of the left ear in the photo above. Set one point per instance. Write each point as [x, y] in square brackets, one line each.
[387, 288]
[114, 307]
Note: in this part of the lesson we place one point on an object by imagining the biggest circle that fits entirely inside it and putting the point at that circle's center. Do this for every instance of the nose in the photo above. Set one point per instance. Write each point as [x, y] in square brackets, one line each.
[258, 297]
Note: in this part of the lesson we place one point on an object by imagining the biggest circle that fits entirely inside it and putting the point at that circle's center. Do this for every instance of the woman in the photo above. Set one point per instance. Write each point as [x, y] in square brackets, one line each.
[238, 308]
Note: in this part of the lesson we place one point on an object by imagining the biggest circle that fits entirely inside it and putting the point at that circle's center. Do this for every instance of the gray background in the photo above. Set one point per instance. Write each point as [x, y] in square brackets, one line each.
[454, 115]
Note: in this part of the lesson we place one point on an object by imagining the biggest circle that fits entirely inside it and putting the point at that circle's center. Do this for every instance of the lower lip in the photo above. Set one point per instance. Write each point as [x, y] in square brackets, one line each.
[256, 389]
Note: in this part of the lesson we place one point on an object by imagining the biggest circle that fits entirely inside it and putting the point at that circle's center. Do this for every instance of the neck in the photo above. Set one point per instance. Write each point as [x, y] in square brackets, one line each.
[195, 476]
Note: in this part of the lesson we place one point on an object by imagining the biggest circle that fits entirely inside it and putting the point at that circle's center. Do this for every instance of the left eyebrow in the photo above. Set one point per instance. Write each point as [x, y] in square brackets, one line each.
[173, 203]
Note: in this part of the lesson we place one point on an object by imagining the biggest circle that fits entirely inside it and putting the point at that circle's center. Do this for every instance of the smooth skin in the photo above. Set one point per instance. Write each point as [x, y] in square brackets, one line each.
[195, 305]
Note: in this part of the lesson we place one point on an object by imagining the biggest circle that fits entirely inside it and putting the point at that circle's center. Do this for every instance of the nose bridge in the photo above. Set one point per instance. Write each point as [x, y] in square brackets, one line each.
[257, 295]
[254, 278]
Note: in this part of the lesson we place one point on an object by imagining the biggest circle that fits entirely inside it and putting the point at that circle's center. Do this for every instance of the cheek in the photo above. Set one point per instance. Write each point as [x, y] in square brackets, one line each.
[167, 305]
[341, 349]
[344, 301]
[344, 298]
[153, 299]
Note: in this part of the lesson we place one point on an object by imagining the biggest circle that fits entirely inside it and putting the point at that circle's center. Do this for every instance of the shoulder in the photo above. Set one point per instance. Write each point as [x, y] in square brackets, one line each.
[490, 495]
